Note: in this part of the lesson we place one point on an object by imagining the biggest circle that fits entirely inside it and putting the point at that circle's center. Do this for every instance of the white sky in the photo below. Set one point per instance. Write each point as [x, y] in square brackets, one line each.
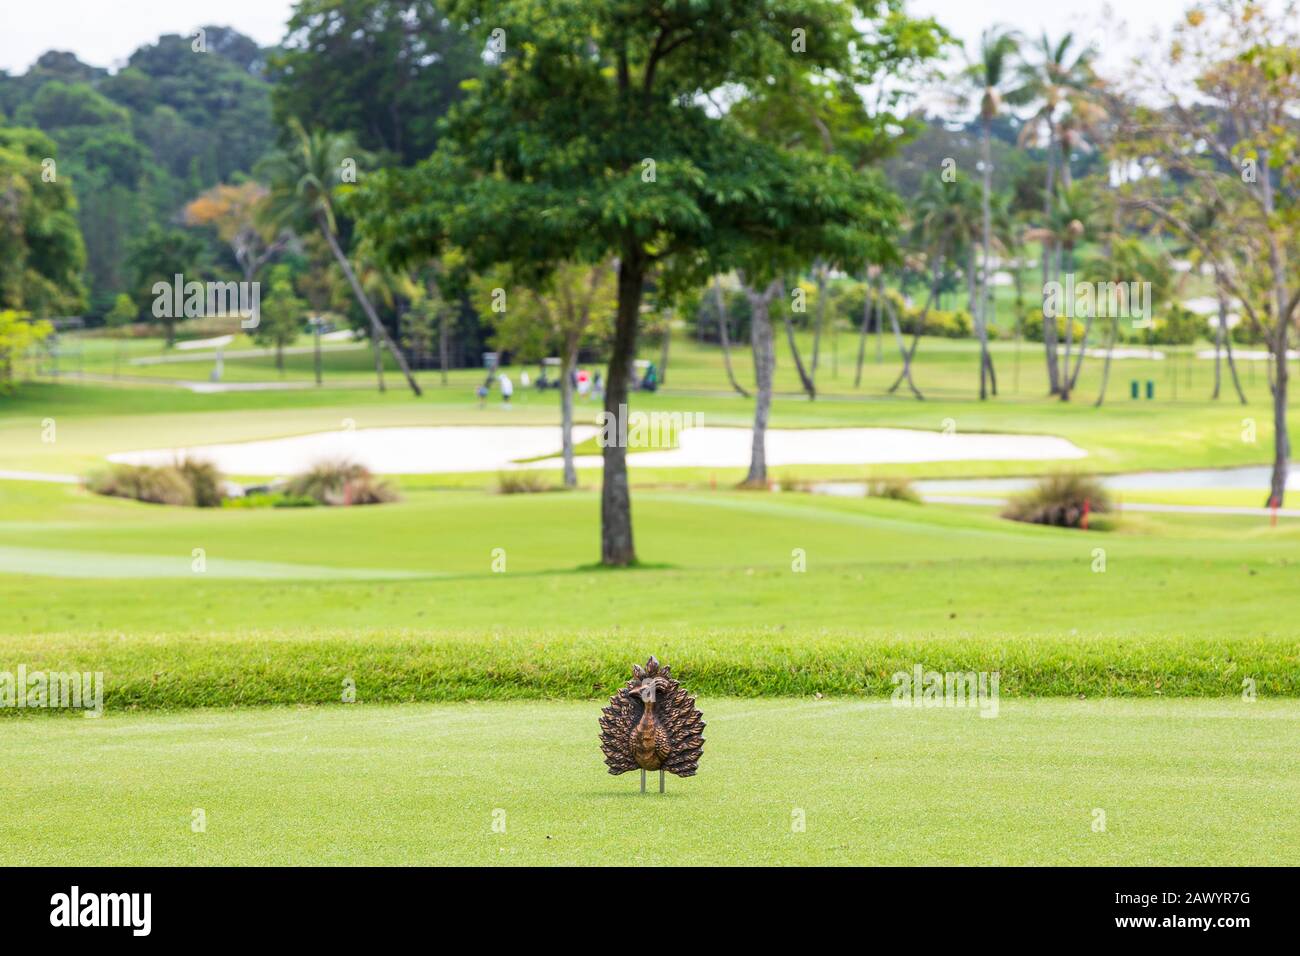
[105, 32]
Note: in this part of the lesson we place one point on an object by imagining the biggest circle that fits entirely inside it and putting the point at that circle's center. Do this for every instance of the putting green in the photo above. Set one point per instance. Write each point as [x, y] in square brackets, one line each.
[1175, 782]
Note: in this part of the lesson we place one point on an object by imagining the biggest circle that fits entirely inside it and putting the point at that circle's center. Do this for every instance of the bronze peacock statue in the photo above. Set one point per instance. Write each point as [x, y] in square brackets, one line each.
[652, 724]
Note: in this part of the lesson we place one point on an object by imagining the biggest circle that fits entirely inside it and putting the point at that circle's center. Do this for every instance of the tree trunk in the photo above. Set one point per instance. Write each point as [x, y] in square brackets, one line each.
[974, 307]
[981, 319]
[379, 363]
[566, 411]
[760, 333]
[1049, 322]
[442, 343]
[315, 328]
[279, 356]
[807, 382]
[1218, 348]
[1073, 376]
[377, 327]
[1232, 368]
[1278, 266]
[971, 284]
[1063, 380]
[907, 358]
[1105, 369]
[821, 318]
[616, 546]
[1049, 328]
[725, 337]
[910, 353]
[1281, 437]
[868, 303]
[663, 354]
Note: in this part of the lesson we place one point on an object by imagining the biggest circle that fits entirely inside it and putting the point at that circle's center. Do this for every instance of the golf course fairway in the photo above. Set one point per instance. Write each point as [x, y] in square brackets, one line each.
[833, 781]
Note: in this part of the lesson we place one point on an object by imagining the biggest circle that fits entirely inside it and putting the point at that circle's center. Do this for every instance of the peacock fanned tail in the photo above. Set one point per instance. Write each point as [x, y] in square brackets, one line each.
[685, 727]
[675, 712]
[617, 722]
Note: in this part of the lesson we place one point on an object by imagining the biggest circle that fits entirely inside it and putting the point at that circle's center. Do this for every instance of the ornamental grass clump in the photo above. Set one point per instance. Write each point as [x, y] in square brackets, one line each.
[1061, 500]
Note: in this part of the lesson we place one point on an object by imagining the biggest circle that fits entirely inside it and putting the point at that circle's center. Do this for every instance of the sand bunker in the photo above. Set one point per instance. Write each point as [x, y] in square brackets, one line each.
[431, 450]
[385, 451]
[730, 448]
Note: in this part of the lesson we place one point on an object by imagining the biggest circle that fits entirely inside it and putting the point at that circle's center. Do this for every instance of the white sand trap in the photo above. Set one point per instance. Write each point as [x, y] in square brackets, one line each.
[385, 451]
[730, 448]
[1119, 353]
[1247, 355]
[214, 343]
[431, 450]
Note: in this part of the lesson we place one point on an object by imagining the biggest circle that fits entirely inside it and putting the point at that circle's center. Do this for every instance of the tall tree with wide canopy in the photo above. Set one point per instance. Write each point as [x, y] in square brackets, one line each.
[589, 138]
[41, 252]
[383, 70]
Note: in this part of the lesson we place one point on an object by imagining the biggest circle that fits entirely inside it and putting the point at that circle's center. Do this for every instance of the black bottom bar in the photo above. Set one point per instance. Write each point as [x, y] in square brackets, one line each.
[333, 905]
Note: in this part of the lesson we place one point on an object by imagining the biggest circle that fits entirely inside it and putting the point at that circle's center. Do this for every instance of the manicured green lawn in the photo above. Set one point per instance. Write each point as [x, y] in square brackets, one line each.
[1178, 782]
[404, 599]
[479, 688]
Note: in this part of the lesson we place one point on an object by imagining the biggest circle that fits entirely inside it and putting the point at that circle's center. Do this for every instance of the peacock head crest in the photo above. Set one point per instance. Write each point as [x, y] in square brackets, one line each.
[646, 681]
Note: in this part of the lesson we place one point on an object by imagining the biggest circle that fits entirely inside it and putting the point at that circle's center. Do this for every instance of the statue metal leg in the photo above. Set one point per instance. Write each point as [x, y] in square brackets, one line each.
[661, 781]
[643, 781]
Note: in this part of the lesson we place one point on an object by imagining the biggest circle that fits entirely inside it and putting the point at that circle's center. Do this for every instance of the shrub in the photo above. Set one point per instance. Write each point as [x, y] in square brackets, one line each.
[341, 483]
[940, 322]
[522, 482]
[1032, 327]
[1059, 500]
[793, 483]
[204, 480]
[162, 486]
[896, 489]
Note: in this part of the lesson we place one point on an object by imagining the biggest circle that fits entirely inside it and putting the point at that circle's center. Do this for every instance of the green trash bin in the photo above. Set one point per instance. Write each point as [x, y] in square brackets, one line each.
[1151, 388]
[1133, 389]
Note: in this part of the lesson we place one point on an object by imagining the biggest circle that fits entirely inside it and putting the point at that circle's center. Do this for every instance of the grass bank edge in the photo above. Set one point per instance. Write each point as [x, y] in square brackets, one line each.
[156, 673]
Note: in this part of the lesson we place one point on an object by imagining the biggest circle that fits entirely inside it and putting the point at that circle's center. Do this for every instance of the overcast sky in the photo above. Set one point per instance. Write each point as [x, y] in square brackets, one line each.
[105, 32]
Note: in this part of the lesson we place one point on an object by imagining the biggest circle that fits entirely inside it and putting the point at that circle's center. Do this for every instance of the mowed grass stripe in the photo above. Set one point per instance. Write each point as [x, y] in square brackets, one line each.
[108, 564]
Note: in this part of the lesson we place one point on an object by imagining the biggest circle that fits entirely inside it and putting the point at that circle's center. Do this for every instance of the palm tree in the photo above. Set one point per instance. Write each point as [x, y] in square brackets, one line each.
[990, 74]
[941, 220]
[302, 178]
[1067, 224]
[1056, 74]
